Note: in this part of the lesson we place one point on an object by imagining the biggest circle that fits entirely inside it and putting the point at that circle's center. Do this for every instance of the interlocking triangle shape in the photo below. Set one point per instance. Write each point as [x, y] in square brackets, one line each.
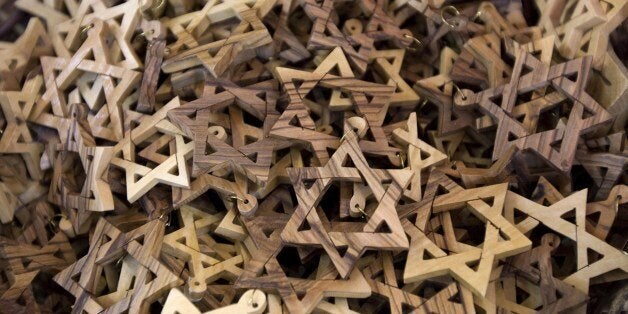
[399, 299]
[108, 121]
[404, 95]
[421, 155]
[368, 100]
[184, 244]
[139, 178]
[326, 35]
[501, 240]
[585, 116]
[95, 194]
[355, 242]
[142, 246]
[16, 59]
[536, 264]
[122, 19]
[173, 171]
[295, 122]
[263, 271]
[303, 295]
[596, 41]
[51, 109]
[17, 138]
[218, 56]
[195, 117]
[553, 217]
[203, 120]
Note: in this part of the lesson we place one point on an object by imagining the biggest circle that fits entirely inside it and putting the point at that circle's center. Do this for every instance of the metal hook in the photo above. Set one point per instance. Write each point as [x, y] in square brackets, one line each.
[425, 101]
[364, 214]
[167, 218]
[417, 41]
[453, 11]
[85, 29]
[344, 136]
[401, 159]
[458, 90]
[53, 225]
[141, 35]
[119, 261]
[234, 197]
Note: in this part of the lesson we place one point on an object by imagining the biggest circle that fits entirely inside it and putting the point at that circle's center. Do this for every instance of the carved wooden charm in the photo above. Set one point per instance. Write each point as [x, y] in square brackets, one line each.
[313, 156]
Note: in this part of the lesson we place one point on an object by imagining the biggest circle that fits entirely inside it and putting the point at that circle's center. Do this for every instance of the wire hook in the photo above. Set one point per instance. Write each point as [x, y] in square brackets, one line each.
[401, 159]
[451, 10]
[234, 197]
[364, 214]
[85, 29]
[167, 218]
[415, 40]
[458, 90]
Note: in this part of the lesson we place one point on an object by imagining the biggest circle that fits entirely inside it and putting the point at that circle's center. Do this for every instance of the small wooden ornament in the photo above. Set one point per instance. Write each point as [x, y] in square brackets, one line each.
[16, 137]
[186, 243]
[170, 169]
[217, 56]
[420, 155]
[137, 250]
[309, 225]
[51, 109]
[501, 238]
[313, 291]
[95, 194]
[553, 217]
[264, 272]
[531, 74]
[401, 300]
[121, 21]
[547, 293]
[325, 34]
[367, 99]
[19, 58]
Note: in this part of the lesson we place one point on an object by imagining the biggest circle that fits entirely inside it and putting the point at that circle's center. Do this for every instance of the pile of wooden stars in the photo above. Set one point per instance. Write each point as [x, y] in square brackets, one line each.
[326, 156]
